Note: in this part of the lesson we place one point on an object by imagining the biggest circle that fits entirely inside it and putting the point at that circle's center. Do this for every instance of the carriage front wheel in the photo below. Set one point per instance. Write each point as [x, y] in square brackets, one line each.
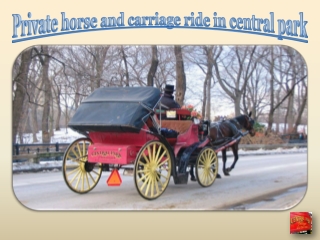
[152, 170]
[80, 175]
[206, 167]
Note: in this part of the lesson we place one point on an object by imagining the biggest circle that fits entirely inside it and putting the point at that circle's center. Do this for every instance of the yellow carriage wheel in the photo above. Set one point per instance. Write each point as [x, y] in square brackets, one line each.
[206, 167]
[80, 175]
[152, 170]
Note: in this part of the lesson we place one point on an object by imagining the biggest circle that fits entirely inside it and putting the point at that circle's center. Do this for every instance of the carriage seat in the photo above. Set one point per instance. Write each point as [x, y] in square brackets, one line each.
[179, 126]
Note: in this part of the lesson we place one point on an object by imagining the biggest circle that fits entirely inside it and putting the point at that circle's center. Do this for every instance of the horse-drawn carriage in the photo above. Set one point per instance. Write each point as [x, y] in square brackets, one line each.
[126, 126]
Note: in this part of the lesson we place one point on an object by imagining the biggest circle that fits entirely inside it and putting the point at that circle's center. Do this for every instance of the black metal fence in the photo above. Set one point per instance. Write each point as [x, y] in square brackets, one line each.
[19, 149]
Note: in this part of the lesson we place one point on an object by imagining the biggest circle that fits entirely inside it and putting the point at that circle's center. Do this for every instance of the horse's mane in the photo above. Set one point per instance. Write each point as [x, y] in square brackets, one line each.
[240, 119]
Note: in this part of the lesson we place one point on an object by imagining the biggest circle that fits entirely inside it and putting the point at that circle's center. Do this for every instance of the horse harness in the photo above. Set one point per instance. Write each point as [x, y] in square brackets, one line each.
[235, 125]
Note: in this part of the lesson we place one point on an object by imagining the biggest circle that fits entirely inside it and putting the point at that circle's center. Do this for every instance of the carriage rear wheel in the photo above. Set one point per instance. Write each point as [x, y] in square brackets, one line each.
[152, 170]
[206, 167]
[80, 175]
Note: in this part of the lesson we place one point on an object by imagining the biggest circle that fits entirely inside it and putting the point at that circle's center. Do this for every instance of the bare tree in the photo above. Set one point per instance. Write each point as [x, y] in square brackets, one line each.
[98, 54]
[272, 104]
[166, 67]
[139, 62]
[301, 107]
[269, 80]
[44, 58]
[154, 65]
[35, 90]
[284, 77]
[204, 60]
[124, 58]
[210, 58]
[234, 70]
[56, 90]
[181, 83]
[19, 89]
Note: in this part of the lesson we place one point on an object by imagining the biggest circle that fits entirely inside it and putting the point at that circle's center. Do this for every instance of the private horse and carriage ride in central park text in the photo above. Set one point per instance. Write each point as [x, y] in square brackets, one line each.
[127, 126]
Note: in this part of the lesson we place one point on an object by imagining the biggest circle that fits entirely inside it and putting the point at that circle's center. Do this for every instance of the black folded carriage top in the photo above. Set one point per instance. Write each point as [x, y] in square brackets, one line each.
[115, 109]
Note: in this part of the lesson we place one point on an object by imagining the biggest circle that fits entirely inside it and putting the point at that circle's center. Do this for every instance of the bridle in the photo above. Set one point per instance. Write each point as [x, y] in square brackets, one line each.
[249, 124]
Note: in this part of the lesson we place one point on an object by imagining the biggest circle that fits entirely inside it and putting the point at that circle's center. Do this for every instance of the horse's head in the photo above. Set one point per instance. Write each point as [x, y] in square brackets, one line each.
[249, 124]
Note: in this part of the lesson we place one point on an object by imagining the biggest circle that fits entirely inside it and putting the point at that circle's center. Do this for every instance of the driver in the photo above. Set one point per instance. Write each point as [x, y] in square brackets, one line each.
[167, 100]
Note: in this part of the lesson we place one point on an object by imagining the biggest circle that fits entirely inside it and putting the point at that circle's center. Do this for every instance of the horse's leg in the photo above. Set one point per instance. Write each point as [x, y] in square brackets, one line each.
[234, 148]
[224, 160]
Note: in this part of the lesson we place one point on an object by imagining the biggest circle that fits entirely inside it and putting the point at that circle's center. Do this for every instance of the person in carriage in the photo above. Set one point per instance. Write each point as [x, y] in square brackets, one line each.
[167, 101]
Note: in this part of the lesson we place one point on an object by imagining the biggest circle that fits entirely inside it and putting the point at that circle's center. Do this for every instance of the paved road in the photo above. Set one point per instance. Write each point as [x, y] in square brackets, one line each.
[257, 182]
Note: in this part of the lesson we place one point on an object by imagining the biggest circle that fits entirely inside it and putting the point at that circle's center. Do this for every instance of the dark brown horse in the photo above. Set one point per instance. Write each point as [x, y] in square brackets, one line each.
[220, 132]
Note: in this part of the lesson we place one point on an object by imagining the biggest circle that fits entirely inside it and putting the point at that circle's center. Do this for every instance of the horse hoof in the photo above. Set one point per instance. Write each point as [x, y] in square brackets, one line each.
[218, 176]
[193, 179]
[226, 173]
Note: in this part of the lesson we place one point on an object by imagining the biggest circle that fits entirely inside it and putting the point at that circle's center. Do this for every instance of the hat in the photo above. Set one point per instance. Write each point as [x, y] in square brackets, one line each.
[169, 88]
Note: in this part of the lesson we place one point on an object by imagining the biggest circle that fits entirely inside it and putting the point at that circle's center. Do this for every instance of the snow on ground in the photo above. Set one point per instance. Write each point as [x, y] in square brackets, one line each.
[273, 151]
[62, 136]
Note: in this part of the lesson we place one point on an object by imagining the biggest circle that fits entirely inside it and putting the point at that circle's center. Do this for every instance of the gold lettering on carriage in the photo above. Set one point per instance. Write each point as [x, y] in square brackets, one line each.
[299, 219]
[106, 154]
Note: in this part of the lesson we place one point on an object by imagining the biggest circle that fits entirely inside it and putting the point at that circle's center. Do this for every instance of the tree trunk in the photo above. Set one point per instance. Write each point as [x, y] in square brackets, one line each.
[57, 95]
[23, 124]
[47, 96]
[57, 127]
[51, 118]
[34, 110]
[98, 54]
[290, 110]
[126, 66]
[208, 111]
[271, 113]
[34, 121]
[209, 55]
[237, 100]
[204, 100]
[100, 58]
[300, 111]
[153, 67]
[278, 113]
[20, 91]
[181, 84]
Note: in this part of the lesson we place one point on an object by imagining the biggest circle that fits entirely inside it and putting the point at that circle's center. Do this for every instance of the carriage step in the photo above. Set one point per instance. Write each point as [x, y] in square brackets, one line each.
[181, 178]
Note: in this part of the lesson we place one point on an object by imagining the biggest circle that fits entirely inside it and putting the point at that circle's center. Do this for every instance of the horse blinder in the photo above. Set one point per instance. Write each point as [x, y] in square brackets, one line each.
[251, 130]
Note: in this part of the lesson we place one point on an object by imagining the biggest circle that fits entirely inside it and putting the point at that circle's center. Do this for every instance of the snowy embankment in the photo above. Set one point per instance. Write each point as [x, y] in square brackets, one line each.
[61, 136]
